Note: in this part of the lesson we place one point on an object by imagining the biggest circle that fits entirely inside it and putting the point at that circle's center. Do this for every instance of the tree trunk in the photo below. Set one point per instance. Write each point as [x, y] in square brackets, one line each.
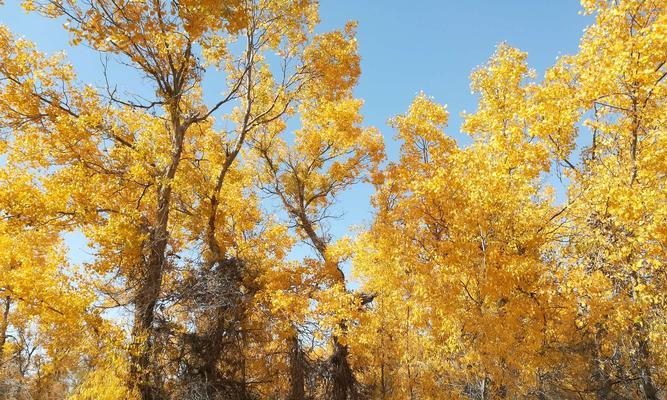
[341, 373]
[650, 391]
[603, 385]
[226, 322]
[296, 362]
[143, 374]
[141, 368]
[4, 325]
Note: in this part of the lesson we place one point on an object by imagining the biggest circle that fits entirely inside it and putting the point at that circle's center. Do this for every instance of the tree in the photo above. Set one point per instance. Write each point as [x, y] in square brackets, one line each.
[459, 246]
[477, 278]
[120, 165]
[45, 321]
[488, 288]
[330, 153]
[616, 245]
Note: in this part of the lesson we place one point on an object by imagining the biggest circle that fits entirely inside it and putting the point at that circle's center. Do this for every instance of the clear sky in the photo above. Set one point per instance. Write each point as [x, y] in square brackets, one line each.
[406, 47]
[433, 46]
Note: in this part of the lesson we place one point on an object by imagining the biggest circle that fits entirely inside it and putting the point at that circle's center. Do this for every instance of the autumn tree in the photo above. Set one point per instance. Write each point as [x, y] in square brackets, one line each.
[617, 245]
[488, 287]
[458, 248]
[46, 323]
[143, 175]
[330, 153]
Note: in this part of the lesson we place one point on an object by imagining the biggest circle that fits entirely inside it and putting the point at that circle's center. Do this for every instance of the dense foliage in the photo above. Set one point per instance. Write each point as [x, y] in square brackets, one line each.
[477, 281]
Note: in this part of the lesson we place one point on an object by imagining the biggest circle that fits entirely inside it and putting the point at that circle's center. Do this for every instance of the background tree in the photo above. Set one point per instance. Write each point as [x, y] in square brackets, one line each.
[617, 242]
[330, 153]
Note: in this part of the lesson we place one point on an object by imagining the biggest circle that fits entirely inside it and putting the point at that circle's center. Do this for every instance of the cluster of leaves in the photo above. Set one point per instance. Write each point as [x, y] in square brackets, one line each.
[491, 288]
[475, 281]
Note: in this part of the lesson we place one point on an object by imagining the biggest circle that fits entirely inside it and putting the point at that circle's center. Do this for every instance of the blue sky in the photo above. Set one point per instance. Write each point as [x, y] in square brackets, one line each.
[406, 47]
[433, 46]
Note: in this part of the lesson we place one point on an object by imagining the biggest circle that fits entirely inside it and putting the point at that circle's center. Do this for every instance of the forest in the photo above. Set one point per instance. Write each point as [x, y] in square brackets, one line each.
[213, 271]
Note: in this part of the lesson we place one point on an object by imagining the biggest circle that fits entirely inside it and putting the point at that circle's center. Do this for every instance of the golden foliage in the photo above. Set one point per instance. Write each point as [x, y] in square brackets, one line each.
[476, 280]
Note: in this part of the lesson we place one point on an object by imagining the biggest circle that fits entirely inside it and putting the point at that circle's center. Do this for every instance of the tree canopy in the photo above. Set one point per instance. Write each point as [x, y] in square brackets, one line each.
[474, 280]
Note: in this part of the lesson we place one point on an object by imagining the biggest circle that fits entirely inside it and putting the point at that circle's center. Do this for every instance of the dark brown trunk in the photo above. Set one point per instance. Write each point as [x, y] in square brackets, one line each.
[602, 382]
[541, 387]
[214, 334]
[4, 325]
[342, 378]
[297, 375]
[342, 385]
[228, 273]
[383, 383]
[650, 391]
[226, 323]
[212, 352]
[141, 369]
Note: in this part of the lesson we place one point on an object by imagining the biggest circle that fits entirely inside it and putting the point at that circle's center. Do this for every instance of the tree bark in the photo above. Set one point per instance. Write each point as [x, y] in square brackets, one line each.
[341, 373]
[650, 391]
[148, 293]
[143, 376]
[297, 373]
[4, 325]
[603, 385]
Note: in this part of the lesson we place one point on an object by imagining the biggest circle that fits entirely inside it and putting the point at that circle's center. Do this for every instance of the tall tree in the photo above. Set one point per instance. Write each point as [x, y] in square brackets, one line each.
[330, 153]
[617, 243]
[122, 163]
